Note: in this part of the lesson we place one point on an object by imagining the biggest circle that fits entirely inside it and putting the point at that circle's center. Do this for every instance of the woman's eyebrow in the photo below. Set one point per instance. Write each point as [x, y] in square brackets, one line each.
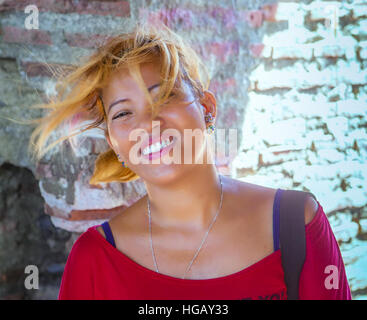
[123, 100]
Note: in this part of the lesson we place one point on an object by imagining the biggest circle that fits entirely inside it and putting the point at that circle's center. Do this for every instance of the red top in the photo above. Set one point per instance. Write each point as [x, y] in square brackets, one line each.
[95, 269]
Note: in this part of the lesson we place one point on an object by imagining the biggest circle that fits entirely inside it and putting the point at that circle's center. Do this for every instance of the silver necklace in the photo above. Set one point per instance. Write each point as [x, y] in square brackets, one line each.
[202, 242]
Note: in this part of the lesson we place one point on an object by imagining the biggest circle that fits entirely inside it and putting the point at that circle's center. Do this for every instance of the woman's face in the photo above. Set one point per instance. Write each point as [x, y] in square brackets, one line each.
[181, 113]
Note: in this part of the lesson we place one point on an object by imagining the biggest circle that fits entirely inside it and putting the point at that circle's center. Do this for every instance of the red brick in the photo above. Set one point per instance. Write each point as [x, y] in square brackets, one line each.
[256, 49]
[222, 50]
[269, 11]
[85, 40]
[254, 18]
[192, 16]
[218, 87]
[114, 8]
[169, 17]
[78, 215]
[33, 69]
[226, 16]
[186, 17]
[19, 35]
[95, 214]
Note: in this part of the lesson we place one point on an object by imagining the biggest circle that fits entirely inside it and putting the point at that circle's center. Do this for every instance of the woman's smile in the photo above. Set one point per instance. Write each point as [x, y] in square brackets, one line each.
[158, 149]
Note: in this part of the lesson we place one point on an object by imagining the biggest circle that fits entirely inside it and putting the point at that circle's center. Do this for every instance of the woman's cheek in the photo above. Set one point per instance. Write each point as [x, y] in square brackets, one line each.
[118, 139]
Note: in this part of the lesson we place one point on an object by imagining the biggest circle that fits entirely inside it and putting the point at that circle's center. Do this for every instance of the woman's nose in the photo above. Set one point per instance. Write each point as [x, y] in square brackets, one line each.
[148, 121]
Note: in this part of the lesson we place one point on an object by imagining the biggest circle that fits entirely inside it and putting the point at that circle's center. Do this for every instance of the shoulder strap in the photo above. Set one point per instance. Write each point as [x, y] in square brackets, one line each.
[108, 232]
[292, 237]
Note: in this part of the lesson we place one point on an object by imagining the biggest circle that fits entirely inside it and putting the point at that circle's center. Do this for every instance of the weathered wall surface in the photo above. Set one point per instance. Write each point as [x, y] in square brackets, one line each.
[296, 94]
[305, 124]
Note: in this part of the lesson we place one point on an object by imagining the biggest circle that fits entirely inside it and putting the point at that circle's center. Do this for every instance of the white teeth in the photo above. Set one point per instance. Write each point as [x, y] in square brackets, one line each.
[156, 147]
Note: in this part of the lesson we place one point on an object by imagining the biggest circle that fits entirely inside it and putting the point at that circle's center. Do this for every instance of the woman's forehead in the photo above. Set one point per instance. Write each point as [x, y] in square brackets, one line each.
[123, 80]
[125, 77]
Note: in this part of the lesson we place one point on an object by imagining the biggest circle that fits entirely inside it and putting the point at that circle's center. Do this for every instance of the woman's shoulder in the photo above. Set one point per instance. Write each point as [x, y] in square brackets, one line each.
[250, 196]
[244, 199]
[128, 218]
[261, 198]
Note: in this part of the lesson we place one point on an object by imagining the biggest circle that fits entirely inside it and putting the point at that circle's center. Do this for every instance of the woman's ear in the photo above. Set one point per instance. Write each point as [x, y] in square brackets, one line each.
[209, 102]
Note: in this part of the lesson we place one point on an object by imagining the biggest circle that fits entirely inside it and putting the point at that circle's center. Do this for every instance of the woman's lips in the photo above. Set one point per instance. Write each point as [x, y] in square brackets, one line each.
[159, 153]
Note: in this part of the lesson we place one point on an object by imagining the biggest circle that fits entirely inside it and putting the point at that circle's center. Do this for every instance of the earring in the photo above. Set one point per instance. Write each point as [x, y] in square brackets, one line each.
[122, 162]
[209, 118]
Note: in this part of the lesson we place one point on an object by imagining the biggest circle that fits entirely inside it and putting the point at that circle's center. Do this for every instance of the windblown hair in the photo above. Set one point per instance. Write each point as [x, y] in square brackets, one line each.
[79, 91]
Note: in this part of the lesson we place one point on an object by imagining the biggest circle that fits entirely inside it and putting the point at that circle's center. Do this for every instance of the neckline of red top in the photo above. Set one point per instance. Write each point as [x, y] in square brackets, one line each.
[267, 259]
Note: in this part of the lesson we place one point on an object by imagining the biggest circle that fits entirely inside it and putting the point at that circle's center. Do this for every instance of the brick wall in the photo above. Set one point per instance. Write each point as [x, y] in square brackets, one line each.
[70, 30]
[305, 125]
[291, 81]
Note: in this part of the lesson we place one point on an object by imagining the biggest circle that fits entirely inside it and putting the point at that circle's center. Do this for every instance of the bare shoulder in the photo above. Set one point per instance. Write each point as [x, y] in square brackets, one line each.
[100, 230]
[251, 204]
[254, 197]
[127, 219]
[311, 208]
[263, 198]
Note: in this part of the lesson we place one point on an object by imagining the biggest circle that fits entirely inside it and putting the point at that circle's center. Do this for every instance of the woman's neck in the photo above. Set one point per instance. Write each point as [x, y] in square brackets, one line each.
[189, 202]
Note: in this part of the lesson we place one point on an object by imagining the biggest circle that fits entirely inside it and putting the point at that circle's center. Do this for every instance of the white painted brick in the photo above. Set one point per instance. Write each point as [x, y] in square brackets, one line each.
[347, 229]
[357, 183]
[359, 29]
[284, 132]
[331, 155]
[269, 156]
[266, 180]
[351, 108]
[323, 9]
[340, 143]
[329, 51]
[313, 77]
[296, 35]
[337, 125]
[267, 52]
[318, 172]
[251, 139]
[359, 11]
[310, 109]
[281, 112]
[341, 90]
[318, 135]
[363, 49]
[363, 53]
[363, 224]
[292, 77]
[294, 166]
[352, 154]
[357, 134]
[295, 51]
[350, 72]
[285, 9]
[261, 102]
[347, 168]
[320, 188]
[248, 159]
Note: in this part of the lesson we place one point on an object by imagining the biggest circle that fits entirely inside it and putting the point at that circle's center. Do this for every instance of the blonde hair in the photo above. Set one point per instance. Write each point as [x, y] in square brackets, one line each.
[80, 90]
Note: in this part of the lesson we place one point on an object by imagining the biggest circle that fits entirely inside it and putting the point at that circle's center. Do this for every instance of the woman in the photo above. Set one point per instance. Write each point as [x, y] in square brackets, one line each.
[196, 234]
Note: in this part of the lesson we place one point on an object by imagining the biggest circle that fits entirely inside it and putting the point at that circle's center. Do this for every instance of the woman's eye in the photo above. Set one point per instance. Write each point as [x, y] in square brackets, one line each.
[121, 114]
[170, 96]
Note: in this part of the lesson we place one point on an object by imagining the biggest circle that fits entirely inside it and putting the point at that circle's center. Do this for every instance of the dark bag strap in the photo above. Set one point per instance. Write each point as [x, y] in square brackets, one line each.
[292, 237]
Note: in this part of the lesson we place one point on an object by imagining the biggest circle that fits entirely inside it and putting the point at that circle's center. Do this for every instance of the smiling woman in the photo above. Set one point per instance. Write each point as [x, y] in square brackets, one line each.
[196, 234]
[87, 90]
